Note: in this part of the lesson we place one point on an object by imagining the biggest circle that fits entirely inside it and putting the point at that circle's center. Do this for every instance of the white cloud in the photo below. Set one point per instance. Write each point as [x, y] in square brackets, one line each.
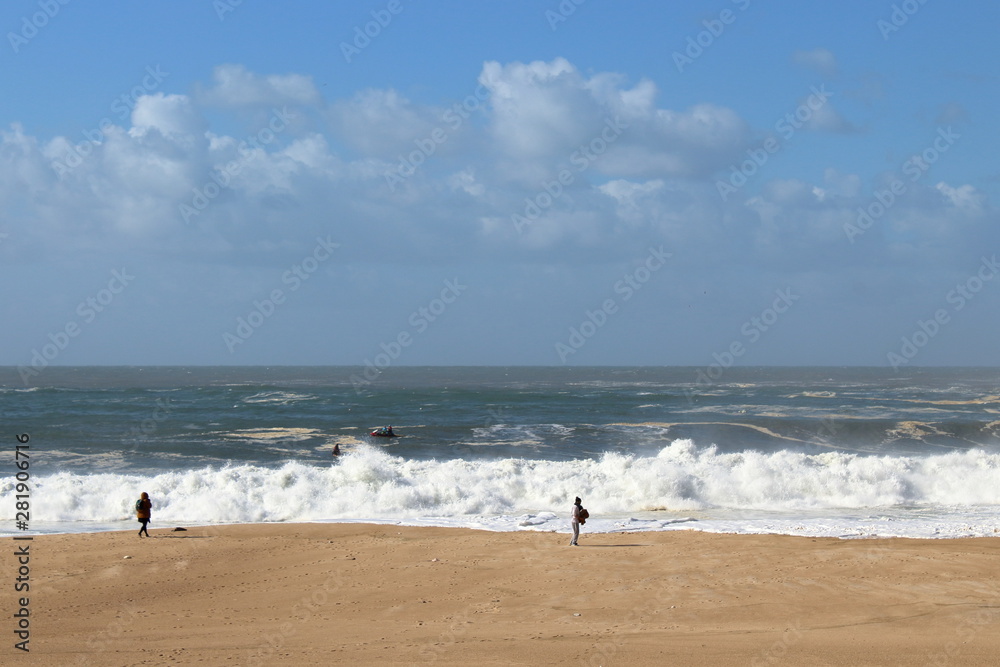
[235, 86]
[383, 123]
[627, 192]
[696, 142]
[653, 183]
[173, 116]
[545, 115]
[313, 153]
[843, 185]
[465, 180]
[819, 60]
[23, 164]
[964, 197]
[827, 119]
[540, 112]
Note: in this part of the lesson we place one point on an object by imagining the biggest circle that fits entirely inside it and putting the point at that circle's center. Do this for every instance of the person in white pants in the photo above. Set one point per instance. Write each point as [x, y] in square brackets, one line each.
[575, 521]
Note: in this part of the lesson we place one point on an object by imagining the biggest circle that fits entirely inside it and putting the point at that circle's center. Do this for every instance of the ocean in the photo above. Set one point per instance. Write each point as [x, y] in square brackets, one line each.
[842, 452]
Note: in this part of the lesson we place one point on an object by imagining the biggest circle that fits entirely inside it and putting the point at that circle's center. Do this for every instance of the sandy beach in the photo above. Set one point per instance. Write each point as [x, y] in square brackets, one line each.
[312, 594]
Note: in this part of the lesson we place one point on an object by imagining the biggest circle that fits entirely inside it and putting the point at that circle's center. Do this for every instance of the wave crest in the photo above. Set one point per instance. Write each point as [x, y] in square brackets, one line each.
[369, 483]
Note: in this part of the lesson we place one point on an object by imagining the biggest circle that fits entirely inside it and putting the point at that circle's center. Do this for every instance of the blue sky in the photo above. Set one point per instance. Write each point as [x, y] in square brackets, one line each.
[703, 184]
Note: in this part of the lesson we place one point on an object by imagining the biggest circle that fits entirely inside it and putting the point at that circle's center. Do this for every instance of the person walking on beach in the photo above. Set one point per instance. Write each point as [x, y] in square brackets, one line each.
[143, 508]
[575, 521]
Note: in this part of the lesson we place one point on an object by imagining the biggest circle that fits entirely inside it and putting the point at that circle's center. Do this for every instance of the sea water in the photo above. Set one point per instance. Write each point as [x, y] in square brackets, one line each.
[846, 452]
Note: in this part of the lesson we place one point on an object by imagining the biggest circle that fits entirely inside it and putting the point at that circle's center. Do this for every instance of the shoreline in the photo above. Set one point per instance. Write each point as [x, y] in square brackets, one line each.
[382, 593]
[981, 524]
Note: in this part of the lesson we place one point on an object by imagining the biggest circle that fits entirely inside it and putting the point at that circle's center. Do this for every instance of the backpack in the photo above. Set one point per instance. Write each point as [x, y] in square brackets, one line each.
[584, 515]
[138, 504]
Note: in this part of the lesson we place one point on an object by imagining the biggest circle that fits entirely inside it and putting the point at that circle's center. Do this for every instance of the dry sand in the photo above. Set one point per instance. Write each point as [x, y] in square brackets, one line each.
[319, 594]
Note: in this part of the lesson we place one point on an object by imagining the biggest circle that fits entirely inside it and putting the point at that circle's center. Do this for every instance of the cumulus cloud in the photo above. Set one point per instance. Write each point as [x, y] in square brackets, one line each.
[549, 113]
[695, 142]
[170, 115]
[597, 168]
[539, 109]
[632, 171]
[964, 197]
[383, 123]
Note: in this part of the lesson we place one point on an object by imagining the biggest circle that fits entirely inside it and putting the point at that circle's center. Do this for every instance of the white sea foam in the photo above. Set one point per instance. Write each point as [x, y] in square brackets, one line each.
[683, 486]
[272, 434]
[276, 398]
